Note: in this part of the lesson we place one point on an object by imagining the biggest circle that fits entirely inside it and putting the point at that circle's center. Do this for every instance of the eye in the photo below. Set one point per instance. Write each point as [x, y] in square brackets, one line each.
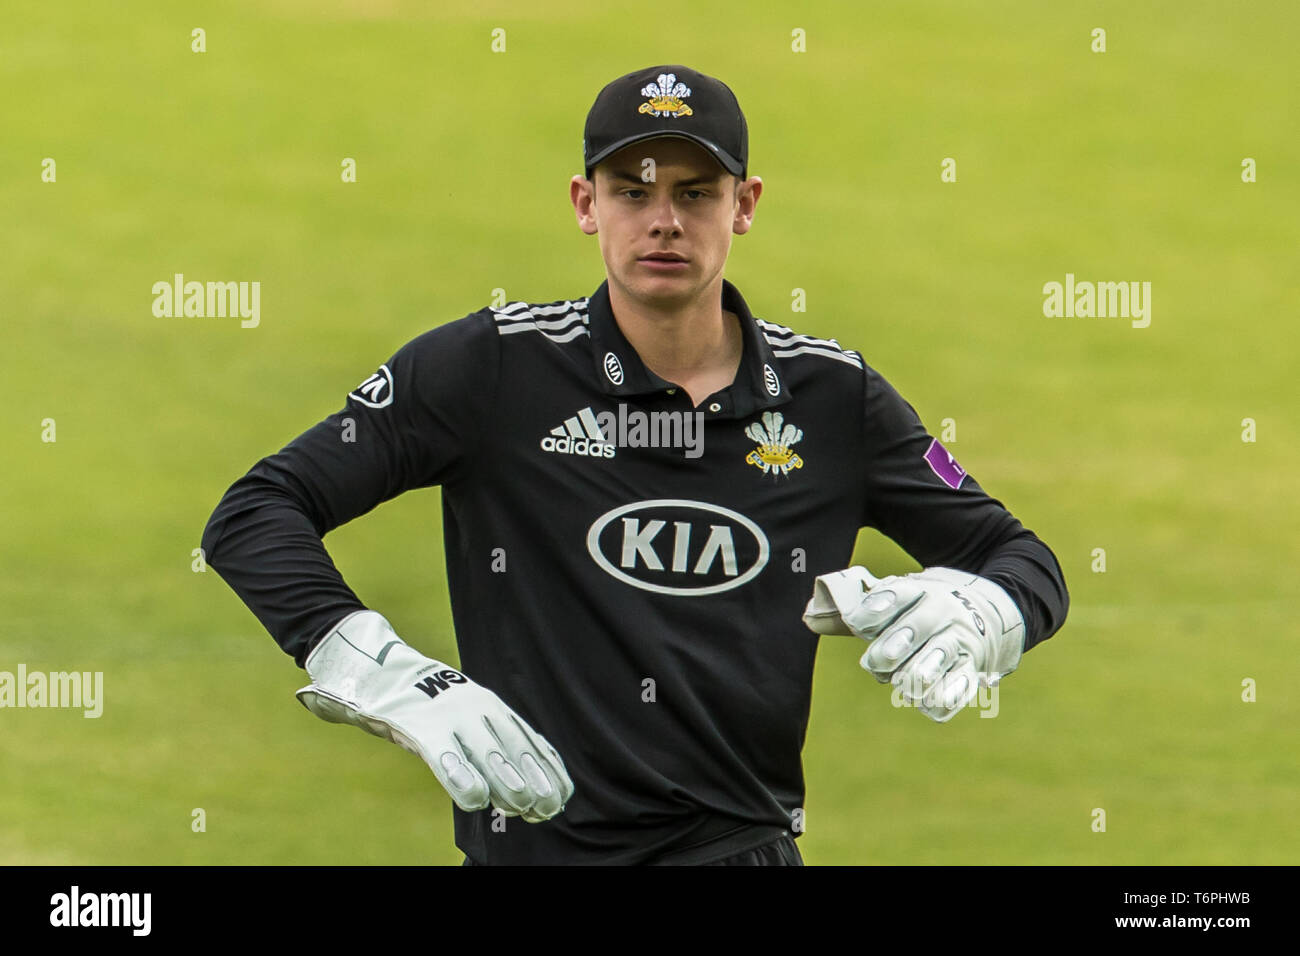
[628, 193]
[699, 193]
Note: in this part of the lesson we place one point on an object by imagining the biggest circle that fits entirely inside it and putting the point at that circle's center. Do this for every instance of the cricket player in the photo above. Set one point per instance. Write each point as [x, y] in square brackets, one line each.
[649, 500]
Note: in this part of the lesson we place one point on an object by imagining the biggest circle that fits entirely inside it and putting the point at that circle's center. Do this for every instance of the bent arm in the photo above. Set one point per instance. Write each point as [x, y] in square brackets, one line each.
[415, 425]
[264, 539]
[920, 498]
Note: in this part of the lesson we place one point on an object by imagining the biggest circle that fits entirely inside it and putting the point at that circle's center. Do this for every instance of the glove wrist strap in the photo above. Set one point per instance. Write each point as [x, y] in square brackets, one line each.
[357, 645]
[1006, 628]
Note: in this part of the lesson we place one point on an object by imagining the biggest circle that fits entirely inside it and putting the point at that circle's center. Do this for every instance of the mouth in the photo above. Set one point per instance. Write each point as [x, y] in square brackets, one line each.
[664, 261]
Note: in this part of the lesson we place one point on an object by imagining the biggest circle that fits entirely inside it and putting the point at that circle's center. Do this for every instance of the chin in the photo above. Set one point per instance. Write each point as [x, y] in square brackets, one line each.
[666, 290]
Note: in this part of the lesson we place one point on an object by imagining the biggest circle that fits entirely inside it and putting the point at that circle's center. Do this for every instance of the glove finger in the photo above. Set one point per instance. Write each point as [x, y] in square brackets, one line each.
[546, 772]
[495, 753]
[935, 658]
[950, 695]
[882, 606]
[483, 755]
[548, 784]
[561, 773]
[526, 756]
[521, 768]
[544, 810]
[451, 765]
[891, 650]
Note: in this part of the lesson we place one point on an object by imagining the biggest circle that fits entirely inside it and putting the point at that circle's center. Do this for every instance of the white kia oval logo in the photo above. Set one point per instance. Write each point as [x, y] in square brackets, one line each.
[613, 368]
[678, 546]
[770, 381]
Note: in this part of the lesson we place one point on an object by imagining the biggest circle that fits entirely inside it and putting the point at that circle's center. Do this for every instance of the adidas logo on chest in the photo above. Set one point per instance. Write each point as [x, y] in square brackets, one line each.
[580, 434]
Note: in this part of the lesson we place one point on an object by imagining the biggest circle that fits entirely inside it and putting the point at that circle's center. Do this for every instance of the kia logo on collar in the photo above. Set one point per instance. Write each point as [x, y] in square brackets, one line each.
[613, 368]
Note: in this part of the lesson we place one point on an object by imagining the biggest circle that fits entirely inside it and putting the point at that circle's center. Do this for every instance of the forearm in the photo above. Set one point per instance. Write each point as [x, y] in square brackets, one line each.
[264, 542]
[1028, 571]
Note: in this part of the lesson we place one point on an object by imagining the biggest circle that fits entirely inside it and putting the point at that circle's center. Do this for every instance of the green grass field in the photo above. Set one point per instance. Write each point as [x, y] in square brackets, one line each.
[1123, 165]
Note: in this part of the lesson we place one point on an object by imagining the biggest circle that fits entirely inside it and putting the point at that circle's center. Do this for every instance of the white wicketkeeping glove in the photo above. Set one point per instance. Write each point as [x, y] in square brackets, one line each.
[480, 750]
[936, 634]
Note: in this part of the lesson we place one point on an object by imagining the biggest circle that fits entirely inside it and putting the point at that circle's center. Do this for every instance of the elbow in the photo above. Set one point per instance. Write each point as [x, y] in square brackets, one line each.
[1055, 593]
[1063, 591]
[239, 498]
[212, 533]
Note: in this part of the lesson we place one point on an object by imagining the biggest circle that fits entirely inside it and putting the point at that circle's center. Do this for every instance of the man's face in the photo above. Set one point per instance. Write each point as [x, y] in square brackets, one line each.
[665, 240]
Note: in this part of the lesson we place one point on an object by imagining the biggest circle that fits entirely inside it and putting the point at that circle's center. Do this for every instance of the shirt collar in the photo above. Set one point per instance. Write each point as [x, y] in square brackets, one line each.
[619, 370]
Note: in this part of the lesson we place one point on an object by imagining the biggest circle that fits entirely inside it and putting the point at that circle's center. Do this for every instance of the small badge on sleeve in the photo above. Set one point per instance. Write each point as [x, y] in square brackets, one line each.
[944, 465]
[376, 391]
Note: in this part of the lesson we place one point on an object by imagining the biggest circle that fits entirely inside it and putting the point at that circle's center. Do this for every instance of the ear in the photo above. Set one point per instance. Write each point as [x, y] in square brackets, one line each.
[582, 193]
[746, 199]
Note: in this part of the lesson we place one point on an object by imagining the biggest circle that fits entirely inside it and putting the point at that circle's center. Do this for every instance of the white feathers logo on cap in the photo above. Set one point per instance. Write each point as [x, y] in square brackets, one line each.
[666, 97]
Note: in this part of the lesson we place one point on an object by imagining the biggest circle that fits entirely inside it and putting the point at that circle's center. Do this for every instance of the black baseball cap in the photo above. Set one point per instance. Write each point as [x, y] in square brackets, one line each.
[667, 101]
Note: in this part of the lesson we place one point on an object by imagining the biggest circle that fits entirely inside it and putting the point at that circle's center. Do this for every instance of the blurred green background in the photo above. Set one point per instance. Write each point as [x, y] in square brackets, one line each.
[1123, 165]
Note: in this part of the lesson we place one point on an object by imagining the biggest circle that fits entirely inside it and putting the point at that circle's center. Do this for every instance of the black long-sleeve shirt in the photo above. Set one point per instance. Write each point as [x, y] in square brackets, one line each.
[638, 605]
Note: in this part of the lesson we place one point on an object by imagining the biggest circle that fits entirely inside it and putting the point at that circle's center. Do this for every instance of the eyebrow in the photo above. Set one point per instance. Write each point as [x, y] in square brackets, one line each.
[624, 176]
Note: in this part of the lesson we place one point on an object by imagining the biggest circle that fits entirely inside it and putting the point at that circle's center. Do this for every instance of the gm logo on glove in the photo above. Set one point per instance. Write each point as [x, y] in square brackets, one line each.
[434, 684]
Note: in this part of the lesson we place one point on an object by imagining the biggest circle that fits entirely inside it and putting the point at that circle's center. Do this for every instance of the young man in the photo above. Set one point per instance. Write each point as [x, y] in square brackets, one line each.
[642, 489]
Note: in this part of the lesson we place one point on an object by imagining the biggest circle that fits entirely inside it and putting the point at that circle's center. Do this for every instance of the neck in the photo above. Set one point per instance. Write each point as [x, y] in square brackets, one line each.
[682, 342]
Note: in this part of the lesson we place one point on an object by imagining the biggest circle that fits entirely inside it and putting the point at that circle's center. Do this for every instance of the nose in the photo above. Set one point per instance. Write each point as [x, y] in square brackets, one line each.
[665, 223]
